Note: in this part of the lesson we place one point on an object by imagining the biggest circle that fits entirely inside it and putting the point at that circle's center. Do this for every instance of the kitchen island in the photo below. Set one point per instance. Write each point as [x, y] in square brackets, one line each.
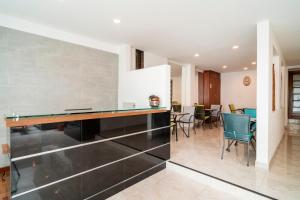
[86, 155]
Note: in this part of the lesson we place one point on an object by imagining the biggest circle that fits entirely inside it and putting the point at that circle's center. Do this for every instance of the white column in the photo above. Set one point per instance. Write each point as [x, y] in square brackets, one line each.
[264, 91]
[188, 85]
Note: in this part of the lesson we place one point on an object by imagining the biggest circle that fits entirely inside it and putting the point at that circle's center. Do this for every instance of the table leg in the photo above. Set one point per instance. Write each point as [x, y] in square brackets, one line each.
[176, 131]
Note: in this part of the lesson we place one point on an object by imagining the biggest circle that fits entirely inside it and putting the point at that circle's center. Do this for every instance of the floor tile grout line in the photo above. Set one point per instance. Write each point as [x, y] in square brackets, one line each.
[228, 182]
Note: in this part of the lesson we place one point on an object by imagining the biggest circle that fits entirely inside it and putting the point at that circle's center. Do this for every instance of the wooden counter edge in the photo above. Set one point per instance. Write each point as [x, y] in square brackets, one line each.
[76, 117]
[5, 149]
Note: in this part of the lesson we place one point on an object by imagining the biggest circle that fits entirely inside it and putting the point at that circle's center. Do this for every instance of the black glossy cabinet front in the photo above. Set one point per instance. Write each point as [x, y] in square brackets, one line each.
[106, 177]
[108, 163]
[40, 138]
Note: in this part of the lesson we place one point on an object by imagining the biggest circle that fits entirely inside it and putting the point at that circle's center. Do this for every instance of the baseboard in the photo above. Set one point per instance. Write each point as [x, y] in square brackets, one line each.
[272, 158]
[262, 165]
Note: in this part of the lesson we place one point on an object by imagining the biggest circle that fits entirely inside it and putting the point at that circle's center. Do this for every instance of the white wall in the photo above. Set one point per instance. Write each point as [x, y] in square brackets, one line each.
[150, 59]
[270, 124]
[276, 117]
[234, 91]
[176, 93]
[137, 85]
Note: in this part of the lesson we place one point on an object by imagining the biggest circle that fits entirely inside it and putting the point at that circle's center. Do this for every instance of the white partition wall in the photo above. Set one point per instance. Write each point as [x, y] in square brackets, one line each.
[137, 85]
[270, 123]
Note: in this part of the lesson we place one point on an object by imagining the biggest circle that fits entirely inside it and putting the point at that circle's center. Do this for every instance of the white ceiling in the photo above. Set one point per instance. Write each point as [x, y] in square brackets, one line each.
[176, 29]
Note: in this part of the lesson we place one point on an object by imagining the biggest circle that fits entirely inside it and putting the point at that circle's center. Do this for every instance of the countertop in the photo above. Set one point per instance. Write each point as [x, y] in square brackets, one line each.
[34, 120]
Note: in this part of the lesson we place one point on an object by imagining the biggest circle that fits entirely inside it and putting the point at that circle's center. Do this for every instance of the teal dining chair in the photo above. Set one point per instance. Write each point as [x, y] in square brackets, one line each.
[236, 128]
[252, 113]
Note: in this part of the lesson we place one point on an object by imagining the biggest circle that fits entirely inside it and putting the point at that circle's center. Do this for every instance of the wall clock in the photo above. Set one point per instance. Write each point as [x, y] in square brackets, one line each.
[247, 81]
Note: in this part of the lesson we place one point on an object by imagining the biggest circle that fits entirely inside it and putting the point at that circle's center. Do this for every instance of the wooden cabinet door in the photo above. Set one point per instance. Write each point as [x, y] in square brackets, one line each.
[211, 88]
[200, 88]
[206, 89]
[215, 88]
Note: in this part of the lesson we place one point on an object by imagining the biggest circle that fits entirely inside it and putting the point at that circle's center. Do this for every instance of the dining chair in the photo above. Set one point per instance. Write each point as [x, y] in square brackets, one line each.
[188, 118]
[215, 114]
[176, 107]
[237, 128]
[200, 115]
[252, 113]
[234, 110]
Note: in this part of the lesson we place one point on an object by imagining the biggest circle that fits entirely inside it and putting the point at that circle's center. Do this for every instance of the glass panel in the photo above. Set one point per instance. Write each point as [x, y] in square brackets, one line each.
[296, 97]
[296, 77]
[296, 104]
[296, 90]
[296, 84]
[296, 110]
[68, 113]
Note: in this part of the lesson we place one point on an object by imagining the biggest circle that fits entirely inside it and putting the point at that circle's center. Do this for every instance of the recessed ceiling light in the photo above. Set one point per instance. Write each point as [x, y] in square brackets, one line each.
[245, 68]
[117, 21]
[253, 63]
[224, 66]
[235, 47]
[196, 55]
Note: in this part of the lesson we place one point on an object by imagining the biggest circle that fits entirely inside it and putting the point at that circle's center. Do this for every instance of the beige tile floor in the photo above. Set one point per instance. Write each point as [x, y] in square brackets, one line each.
[202, 152]
[170, 184]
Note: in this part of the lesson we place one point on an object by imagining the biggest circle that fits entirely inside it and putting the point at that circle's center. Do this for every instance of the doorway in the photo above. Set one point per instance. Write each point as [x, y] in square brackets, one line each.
[294, 95]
